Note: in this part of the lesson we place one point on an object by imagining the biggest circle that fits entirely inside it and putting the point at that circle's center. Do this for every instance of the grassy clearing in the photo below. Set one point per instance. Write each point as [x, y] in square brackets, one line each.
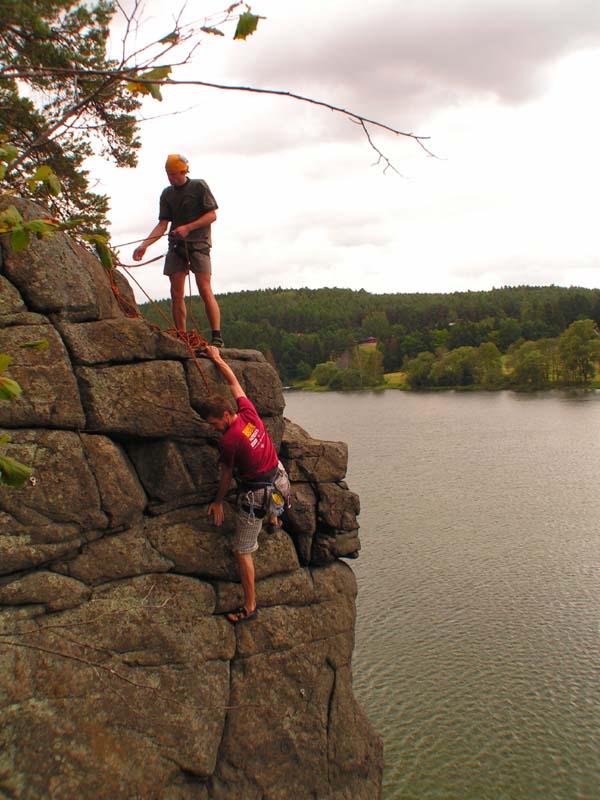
[391, 380]
[394, 380]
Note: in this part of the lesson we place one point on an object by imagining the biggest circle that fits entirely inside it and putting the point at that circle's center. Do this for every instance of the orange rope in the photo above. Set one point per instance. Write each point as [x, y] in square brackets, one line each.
[192, 339]
[155, 304]
[126, 307]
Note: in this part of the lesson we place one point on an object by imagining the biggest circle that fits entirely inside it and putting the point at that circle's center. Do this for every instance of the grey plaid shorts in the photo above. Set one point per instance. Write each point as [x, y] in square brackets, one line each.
[247, 528]
[248, 525]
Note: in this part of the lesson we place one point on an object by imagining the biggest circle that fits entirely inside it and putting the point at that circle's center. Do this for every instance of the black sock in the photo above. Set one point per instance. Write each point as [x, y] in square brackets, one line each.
[216, 333]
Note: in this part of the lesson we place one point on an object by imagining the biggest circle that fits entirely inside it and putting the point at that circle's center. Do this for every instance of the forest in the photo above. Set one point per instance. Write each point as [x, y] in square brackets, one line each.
[519, 336]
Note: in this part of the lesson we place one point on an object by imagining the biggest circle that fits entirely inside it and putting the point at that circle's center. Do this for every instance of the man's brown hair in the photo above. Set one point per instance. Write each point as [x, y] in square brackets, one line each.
[215, 406]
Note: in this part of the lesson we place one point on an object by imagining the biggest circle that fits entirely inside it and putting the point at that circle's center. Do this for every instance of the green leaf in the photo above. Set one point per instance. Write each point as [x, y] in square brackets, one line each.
[92, 238]
[37, 344]
[214, 31]
[39, 226]
[2, 172]
[170, 38]
[42, 173]
[9, 389]
[5, 362]
[154, 90]
[145, 88]
[13, 473]
[10, 218]
[19, 239]
[45, 174]
[104, 255]
[156, 74]
[4, 439]
[247, 24]
[8, 152]
[54, 186]
[71, 223]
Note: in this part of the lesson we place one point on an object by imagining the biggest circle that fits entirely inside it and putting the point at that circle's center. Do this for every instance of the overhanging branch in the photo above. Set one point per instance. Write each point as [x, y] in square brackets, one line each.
[132, 75]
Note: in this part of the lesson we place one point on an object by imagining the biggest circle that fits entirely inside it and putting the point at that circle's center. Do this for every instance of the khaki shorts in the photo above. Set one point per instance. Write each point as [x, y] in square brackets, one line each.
[199, 262]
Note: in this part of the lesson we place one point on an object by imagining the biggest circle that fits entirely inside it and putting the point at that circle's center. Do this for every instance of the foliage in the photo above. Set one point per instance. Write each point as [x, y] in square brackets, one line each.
[487, 366]
[323, 373]
[365, 370]
[567, 360]
[63, 98]
[531, 364]
[303, 371]
[367, 364]
[314, 326]
[20, 232]
[579, 348]
[247, 24]
[418, 370]
[375, 323]
[12, 222]
[454, 368]
[12, 473]
[57, 104]
[9, 389]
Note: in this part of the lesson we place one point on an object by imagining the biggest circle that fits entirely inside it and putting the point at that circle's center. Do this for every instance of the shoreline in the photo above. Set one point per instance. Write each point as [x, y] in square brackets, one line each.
[437, 389]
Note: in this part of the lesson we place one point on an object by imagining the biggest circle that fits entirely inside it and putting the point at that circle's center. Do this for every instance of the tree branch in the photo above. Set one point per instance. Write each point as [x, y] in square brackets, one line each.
[130, 74]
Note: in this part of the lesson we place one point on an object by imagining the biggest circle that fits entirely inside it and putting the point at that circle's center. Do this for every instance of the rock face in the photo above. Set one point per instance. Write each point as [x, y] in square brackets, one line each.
[120, 676]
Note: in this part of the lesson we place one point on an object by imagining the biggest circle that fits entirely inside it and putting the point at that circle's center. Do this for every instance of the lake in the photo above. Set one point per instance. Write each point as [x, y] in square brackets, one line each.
[478, 635]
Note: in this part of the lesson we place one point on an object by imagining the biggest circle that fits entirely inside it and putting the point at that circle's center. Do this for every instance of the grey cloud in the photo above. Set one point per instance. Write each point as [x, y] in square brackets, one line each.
[406, 59]
[264, 125]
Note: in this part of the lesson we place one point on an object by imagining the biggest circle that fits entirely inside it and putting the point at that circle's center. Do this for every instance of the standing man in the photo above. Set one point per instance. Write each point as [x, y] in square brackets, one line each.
[191, 209]
[246, 453]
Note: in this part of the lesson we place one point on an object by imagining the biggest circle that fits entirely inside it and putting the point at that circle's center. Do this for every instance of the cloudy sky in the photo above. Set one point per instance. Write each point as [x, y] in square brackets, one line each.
[505, 89]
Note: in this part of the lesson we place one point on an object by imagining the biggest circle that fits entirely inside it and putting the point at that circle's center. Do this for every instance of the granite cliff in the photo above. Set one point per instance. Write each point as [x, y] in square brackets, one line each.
[119, 675]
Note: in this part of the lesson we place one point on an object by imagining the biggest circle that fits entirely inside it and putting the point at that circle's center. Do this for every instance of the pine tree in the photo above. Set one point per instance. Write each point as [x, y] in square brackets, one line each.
[59, 102]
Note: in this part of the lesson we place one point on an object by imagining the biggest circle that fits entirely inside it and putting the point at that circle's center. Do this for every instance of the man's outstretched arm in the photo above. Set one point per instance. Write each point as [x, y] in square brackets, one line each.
[226, 372]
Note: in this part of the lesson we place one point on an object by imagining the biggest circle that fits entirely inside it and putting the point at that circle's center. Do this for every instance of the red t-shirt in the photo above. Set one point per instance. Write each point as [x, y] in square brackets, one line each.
[246, 446]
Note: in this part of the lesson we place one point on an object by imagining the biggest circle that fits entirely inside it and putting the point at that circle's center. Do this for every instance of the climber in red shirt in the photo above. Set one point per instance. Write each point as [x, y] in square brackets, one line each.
[248, 455]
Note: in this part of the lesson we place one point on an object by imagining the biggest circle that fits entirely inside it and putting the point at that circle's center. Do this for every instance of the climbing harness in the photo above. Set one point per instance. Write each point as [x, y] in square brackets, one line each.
[183, 249]
[272, 502]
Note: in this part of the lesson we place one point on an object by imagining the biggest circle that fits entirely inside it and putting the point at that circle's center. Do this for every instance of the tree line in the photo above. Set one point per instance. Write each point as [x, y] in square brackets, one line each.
[297, 329]
[567, 360]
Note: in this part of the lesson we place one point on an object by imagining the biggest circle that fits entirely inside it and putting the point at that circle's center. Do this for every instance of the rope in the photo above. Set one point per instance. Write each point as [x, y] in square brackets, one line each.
[154, 303]
[138, 241]
[142, 263]
[192, 339]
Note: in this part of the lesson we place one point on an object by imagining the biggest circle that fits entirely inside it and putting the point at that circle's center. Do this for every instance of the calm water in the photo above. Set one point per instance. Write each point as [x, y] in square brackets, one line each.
[478, 637]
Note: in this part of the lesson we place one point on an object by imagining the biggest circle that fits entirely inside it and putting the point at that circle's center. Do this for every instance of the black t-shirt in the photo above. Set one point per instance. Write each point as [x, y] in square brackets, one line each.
[183, 204]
